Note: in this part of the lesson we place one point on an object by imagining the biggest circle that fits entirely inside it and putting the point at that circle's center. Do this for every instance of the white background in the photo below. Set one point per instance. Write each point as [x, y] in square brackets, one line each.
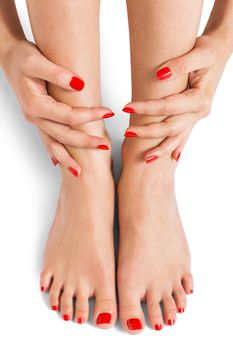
[29, 189]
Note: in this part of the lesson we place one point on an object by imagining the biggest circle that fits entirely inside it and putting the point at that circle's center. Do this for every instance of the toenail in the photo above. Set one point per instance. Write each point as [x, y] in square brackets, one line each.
[108, 115]
[171, 322]
[181, 310]
[128, 110]
[41, 289]
[191, 291]
[151, 159]
[104, 318]
[55, 307]
[103, 147]
[130, 134]
[134, 324]
[66, 317]
[73, 171]
[158, 327]
[80, 320]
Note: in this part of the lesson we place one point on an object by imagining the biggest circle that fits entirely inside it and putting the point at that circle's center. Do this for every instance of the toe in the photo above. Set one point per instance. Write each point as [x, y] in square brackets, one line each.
[154, 311]
[81, 307]
[45, 280]
[131, 314]
[169, 310]
[180, 299]
[67, 304]
[105, 310]
[54, 295]
[187, 283]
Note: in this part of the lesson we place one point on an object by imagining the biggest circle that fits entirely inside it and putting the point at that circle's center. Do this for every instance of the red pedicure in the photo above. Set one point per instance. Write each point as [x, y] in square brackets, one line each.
[104, 147]
[77, 83]
[73, 171]
[171, 322]
[55, 307]
[128, 110]
[134, 324]
[151, 159]
[80, 320]
[130, 134]
[104, 318]
[41, 289]
[178, 156]
[66, 317]
[54, 160]
[164, 73]
[181, 310]
[158, 327]
[108, 115]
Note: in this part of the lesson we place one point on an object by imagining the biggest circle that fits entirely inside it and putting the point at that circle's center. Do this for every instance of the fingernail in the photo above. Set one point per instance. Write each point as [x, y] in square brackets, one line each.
[151, 159]
[80, 320]
[128, 110]
[171, 322]
[104, 147]
[77, 83]
[73, 171]
[54, 160]
[104, 318]
[55, 307]
[109, 115]
[158, 327]
[181, 310]
[41, 289]
[178, 156]
[66, 317]
[130, 134]
[134, 324]
[164, 73]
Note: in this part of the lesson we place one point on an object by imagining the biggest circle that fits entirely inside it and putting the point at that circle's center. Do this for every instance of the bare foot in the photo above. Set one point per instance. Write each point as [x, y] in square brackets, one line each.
[79, 255]
[154, 260]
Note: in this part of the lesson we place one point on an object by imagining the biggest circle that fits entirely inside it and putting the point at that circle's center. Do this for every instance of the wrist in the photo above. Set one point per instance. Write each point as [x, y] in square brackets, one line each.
[223, 35]
[6, 46]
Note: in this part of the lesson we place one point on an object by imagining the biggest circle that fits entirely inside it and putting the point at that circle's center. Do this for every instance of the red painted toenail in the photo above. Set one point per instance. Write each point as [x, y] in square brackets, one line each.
[128, 110]
[130, 134]
[41, 289]
[191, 291]
[178, 156]
[55, 307]
[73, 171]
[134, 324]
[104, 318]
[54, 160]
[108, 115]
[158, 327]
[103, 147]
[151, 159]
[66, 317]
[77, 83]
[164, 73]
[181, 310]
[80, 320]
[171, 322]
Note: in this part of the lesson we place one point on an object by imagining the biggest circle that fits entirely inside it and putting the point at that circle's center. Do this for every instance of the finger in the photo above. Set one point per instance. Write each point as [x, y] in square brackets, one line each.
[178, 150]
[166, 147]
[44, 106]
[38, 66]
[75, 138]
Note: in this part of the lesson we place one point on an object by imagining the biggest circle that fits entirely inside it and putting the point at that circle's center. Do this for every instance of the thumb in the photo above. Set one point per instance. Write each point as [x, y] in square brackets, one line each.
[189, 62]
[44, 69]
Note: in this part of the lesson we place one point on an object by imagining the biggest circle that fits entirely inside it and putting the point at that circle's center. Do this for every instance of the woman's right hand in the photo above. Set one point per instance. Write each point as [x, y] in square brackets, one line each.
[27, 71]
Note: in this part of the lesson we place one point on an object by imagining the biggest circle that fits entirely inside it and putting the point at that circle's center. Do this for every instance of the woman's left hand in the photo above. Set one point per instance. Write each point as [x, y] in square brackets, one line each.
[205, 64]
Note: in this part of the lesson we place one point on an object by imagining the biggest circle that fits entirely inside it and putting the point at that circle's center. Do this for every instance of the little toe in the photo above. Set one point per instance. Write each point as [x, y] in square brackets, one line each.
[81, 307]
[180, 299]
[169, 310]
[154, 312]
[67, 304]
[45, 280]
[105, 310]
[187, 283]
[131, 314]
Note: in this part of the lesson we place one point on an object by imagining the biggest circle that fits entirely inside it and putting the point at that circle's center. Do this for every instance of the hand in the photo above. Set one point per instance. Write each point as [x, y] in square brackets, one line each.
[27, 71]
[205, 64]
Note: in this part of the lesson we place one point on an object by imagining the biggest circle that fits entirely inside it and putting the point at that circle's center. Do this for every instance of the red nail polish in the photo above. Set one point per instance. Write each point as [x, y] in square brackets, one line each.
[128, 110]
[134, 324]
[41, 289]
[104, 318]
[191, 291]
[77, 83]
[73, 171]
[171, 322]
[66, 317]
[181, 310]
[54, 160]
[80, 320]
[164, 73]
[104, 147]
[158, 327]
[109, 115]
[130, 134]
[55, 307]
[178, 156]
[151, 159]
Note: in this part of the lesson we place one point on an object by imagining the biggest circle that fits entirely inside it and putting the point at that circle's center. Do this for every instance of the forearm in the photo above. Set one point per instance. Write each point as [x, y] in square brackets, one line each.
[220, 23]
[10, 27]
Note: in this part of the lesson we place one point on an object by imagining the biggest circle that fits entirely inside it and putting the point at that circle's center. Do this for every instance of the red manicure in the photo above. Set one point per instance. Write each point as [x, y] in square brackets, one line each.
[164, 73]
[128, 110]
[134, 324]
[181, 310]
[41, 289]
[80, 320]
[104, 147]
[158, 327]
[171, 322]
[66, 317]
[55, 307]
[73, 171]
[54, 160]
[178, 157]
[108, 115]
[77, 83]
[104, 318]
[130, 134]
[151, 159]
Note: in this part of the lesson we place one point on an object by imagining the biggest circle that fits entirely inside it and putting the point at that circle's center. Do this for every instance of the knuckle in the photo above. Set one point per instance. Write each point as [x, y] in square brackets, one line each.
[171, 129]
[206, 107]
[163, 110]
[30, 62]
[32, 107]
[181, 65]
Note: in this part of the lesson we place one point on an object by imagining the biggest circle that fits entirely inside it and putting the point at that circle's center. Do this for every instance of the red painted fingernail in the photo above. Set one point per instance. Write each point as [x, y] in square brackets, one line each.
[109, 115]
[171, 322]
[55, 307]
[73, 171]
[104, 147]
[77, 83]
[164, 73]
[41, 289]
[128, 110]
[80, 320]
[178, 156]
[158, 327]
[151, 159]
[134, 324]
[130, 134]
[66, 317]
[181, 310]
[104, 318]
[54, 160]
